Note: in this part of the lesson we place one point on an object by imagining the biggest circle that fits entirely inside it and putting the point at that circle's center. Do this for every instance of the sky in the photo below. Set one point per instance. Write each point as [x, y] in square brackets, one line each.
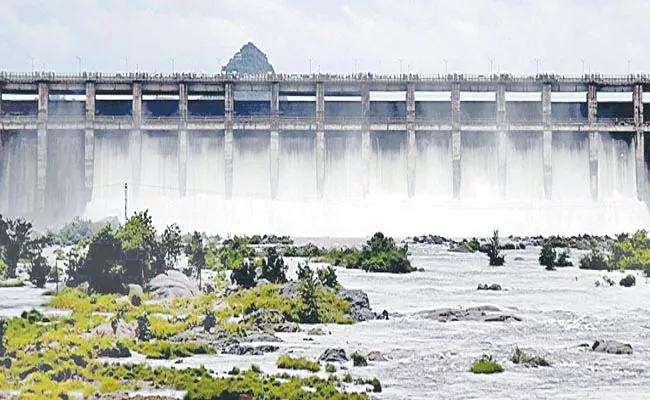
[419, 36]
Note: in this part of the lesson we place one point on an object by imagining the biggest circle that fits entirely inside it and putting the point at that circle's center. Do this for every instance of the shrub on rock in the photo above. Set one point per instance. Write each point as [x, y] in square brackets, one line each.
[628, 281]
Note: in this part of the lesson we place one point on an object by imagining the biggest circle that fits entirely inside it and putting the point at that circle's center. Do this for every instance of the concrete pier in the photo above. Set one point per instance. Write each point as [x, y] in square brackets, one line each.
[594, 139]
[229, 140]
[89, 140]
[411, 149]
[135, 142]
[274, 150]
[41, 146]
[547, 141]
[182, 138]
[502, 139]
[455, 139]
[320, 139]
[639, 142]
[365, 139]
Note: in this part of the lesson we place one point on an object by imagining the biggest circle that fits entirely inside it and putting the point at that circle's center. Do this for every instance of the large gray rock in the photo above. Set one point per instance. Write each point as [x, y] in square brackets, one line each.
[481, 313]
[461, 248]
[289, 289]
[125, 330]
[237, 349]
[359, 304]
[135, 289]
[173, 284]
[611, 347]
[334, 355]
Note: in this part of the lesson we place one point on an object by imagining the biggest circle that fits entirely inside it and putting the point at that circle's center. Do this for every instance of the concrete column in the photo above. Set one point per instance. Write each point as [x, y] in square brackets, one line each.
[411, 150]
[182, 139]
[320, 139]
[365, 138]
[0, 101]
[639, 140]
[229, 137]
[547, 143]
[135, 144]
[41, 145]
[455, 138]
[89, 140]
[502, 138]
[594, 139]
[274, 163]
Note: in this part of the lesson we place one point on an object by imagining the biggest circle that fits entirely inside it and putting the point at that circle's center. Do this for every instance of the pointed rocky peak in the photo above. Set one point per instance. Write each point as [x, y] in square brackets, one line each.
[248, 60]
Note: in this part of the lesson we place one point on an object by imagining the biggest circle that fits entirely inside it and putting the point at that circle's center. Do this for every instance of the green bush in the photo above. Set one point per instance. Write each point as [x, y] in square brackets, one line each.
[376, 385]
[358, 360]
[628, 281]
[330, 368]
[256, 368]
[379, 254]
[171, 351]
[497, 258]
[486, 365]
[287, 362]
[595, 260]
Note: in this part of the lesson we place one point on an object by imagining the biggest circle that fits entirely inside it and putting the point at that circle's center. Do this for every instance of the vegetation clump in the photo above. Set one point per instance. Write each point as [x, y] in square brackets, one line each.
[379, 254]
[519, 357]
[550, 259]
[288, 362]
[358, 360]
[492, 250]
[596, 260]
[486, 365]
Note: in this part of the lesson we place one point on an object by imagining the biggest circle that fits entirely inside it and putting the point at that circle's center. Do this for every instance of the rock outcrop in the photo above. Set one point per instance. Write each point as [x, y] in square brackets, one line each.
[611, 347]
[334, 355]
[173, 284]
[494, 287]
[482, 313]
[359, 304]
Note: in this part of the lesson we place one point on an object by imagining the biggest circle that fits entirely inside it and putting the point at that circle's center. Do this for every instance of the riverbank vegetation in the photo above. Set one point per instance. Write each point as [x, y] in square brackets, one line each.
[486, 365]
[626, 252]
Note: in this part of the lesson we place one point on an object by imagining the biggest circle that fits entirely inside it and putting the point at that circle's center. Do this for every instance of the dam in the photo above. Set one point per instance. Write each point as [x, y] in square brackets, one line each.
[338, 155]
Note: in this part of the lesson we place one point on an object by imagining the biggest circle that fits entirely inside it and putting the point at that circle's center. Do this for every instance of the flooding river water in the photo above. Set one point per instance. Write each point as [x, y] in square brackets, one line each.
[429, 359]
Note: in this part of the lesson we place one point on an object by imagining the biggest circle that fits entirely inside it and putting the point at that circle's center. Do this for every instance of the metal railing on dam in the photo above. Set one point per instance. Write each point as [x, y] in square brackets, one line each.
[600, 79]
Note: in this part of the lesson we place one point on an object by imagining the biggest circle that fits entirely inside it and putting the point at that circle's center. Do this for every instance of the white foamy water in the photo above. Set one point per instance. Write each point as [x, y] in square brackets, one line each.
[344, 212]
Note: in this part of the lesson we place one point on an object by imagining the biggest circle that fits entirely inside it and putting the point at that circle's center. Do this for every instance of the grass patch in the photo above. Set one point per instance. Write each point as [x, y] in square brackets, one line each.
[12, 283]
[288, 362]
[486, 365]
[330, 368]
[171, 351]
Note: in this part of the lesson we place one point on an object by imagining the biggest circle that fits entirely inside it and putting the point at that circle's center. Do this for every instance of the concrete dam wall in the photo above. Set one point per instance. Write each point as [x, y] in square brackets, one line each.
[324, 155]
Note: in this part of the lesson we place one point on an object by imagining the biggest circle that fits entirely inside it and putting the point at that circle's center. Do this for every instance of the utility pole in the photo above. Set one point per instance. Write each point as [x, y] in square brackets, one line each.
[356, 62]
[126, 201]
[79, 63]
[491, 64]
[445, 61]
[537, 66]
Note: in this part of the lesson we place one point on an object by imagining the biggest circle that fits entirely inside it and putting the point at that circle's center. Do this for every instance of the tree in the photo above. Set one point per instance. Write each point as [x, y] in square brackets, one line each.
[39, 270]
[144, 328]
[143, 257]
[209, 321]
[327, 277]
[244, 275]
[101, 265]
[195, 252]
[14, 238]
[547, 256]
[273, 268]
[172, 245]
[3, 336]
[308, 291]
[493, 252]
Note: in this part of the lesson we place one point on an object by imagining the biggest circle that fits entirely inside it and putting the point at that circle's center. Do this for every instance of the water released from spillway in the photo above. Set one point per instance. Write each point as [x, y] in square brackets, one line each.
[343, 211]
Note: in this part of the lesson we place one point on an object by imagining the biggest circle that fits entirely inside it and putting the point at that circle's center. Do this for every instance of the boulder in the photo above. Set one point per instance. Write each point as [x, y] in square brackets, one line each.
[461, 248]
[359, 304]
[125, 330]
[376, 356]
[481, 313]
[136, 300]
[611, 347]
[334, 355]
[244, 350]
[289, 289]
[494, 287]
[135, 289]
[173, 284]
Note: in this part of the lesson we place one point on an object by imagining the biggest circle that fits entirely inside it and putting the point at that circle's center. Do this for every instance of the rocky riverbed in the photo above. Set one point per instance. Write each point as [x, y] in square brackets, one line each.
[439, 323]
